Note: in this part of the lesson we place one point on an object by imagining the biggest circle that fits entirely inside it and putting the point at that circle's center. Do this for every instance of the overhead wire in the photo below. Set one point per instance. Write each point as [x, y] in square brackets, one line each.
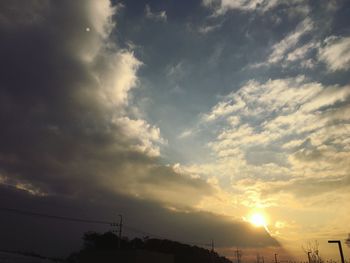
[90, 221]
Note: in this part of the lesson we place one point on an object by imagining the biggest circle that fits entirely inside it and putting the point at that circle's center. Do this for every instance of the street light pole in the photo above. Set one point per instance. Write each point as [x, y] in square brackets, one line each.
[340, 249]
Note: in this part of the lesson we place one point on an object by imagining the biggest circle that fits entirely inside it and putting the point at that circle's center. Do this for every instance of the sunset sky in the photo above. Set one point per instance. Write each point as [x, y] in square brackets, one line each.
[196, 120]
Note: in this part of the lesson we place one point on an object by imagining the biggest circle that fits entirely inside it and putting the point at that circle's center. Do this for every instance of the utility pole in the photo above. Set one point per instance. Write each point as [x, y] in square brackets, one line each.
[120, 230]
[276, 258]
[238, 254]
[212, 251]
[340, 248]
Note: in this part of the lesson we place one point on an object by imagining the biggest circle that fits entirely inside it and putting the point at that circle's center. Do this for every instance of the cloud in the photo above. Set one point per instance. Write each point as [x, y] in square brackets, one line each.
[300, 52]
[71, 127]
[302, 55]
[70, 136]
[287, 134]
[156, 16]
[308, 187]
[222, 6]
[224, 108]
[253, 98]
[280, 49]
[205, 29]
[140, 218]
[292, 144]
[141, 131]
[305, 47]
[31, 13]
[336, 53]
[116, 76]
[186, 134]
[69, 123]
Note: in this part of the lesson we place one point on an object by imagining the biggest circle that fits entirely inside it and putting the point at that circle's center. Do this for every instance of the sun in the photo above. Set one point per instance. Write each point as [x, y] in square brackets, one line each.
[258, 220]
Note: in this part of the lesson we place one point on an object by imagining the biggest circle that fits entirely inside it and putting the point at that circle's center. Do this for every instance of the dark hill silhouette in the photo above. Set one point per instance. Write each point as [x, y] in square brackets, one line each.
[104, 248]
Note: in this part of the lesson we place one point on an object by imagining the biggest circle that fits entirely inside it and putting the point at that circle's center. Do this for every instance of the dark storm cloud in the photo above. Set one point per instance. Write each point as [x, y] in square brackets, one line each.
[57, 131]
[69, 137]
[45, 120]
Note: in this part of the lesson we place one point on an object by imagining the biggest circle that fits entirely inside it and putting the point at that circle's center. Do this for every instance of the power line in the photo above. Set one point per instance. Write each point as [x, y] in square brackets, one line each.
[90, 221]
[74, 219]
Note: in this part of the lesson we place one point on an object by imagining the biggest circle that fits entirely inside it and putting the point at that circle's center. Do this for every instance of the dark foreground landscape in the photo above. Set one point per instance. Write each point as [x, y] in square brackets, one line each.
[108, 247]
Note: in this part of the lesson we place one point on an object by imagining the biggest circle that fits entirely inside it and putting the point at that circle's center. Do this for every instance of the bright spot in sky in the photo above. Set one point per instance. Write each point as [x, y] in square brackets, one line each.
[87, 29]
[258, 220]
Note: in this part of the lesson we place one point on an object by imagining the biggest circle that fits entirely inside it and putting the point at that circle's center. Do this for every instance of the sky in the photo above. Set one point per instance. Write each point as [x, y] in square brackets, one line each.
[186, 117]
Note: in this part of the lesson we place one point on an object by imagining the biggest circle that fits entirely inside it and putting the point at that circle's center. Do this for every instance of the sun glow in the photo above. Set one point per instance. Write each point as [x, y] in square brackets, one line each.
[258, 220]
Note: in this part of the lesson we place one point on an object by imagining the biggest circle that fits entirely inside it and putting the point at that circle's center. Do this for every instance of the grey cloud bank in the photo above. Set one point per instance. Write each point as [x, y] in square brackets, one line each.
[72, 138]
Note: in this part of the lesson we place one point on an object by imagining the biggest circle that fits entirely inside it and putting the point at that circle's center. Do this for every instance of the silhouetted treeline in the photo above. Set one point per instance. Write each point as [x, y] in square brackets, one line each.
[104, 248]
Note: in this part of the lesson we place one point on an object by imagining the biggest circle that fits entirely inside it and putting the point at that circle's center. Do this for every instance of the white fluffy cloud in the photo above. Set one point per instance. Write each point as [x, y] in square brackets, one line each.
[115, 71]
[280, 50]
[240, 4]
[280, 130]
[147, 137]
[336, 53]
[285, 148]
[279, 108]
[222, 6]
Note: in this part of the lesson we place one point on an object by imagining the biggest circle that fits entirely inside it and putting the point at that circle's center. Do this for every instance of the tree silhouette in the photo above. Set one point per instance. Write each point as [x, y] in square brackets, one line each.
[104, 248]
[312, 251]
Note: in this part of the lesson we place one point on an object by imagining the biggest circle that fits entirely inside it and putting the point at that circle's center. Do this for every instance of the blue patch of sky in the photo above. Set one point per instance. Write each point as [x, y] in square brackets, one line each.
[186, 71]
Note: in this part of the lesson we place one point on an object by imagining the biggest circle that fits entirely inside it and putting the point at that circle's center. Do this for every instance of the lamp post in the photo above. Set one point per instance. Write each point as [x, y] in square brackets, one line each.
[340, 249]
